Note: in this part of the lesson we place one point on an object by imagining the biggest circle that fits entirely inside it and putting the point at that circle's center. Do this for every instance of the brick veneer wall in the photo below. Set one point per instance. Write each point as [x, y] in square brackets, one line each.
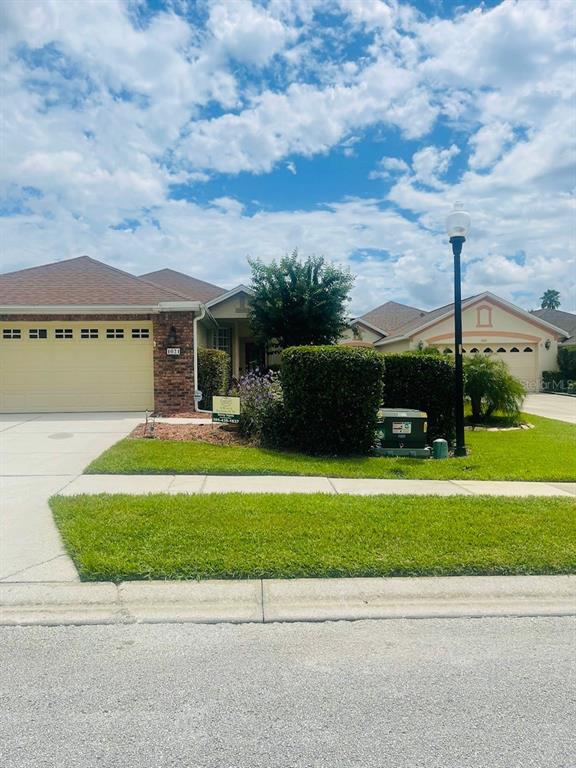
[173, 376]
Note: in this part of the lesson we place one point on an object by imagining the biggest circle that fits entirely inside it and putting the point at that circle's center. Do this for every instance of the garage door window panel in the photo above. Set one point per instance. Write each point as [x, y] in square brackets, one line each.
[89, 333]
[114, 333]
[140, 333]
[12, 334]
[37, 333]
[63, 333]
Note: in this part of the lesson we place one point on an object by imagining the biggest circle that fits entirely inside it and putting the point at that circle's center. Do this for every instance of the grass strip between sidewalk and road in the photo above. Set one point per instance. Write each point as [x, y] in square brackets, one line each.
[546, 453]
[240, 536]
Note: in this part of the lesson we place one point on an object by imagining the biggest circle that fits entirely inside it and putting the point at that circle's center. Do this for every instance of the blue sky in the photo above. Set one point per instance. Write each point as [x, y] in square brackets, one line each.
[193, 134]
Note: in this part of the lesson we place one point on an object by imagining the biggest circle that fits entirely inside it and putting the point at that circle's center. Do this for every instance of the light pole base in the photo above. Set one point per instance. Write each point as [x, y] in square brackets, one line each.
[460, 451]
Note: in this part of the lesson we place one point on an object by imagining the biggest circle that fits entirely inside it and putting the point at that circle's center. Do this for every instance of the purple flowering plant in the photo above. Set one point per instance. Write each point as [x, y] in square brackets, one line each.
[258, 392]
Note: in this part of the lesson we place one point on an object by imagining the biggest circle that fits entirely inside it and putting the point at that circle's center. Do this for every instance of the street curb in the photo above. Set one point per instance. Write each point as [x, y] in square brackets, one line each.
[285, 600]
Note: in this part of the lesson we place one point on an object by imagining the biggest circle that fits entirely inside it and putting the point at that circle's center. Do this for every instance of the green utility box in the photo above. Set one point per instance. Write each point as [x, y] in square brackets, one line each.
[402, 432]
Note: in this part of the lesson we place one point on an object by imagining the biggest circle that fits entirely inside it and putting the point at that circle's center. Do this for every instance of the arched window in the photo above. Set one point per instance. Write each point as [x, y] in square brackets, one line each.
[528, 349]
[488, 351]
[500, 349]
[514, 349]
[463, 351]
[474, 350]
[447, 351]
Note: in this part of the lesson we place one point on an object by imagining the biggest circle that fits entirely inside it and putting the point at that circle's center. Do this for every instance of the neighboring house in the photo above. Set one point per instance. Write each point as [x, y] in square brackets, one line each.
[79, 335]
[527, 342]
[562, 319]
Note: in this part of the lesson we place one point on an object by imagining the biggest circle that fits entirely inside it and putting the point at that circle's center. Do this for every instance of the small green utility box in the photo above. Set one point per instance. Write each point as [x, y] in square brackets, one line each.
[402, 432]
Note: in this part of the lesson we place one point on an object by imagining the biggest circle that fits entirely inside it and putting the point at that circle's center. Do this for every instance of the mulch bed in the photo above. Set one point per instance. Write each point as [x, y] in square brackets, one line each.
[204, 433]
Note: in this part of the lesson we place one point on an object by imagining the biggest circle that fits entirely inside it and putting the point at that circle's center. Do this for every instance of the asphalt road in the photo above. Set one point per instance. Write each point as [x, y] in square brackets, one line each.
[432, 693]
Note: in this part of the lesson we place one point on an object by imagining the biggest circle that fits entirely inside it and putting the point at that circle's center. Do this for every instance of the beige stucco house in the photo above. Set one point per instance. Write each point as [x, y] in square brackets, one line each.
[527, 342]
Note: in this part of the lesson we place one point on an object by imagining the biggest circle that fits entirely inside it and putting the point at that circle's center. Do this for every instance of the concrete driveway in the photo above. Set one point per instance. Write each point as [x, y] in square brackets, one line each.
[39, 455]
[560, 407]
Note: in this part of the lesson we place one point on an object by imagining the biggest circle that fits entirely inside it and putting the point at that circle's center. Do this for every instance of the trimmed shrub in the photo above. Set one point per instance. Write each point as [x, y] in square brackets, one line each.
[553, 381]
[213, 375]
[275, 429]
[425, 382]
[490, 386]
[567, 362]
[331, 398]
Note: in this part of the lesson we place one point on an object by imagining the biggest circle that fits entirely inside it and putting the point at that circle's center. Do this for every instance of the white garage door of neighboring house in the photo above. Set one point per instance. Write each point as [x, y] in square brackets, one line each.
[521, 360]
[522, 363]
[59, 366]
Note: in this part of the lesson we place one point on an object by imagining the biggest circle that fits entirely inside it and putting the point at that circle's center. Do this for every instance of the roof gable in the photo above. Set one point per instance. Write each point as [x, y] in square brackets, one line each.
[191, 287]
[82, 281]
[437, 315]
[391, 315]
[230, 294]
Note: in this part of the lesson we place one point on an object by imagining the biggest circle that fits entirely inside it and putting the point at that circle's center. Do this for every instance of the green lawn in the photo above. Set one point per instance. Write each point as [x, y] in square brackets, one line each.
[117, 537]
[547, 452]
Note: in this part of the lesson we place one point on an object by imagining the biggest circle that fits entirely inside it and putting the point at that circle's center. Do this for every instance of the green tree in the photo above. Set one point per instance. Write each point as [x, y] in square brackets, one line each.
[299, 302]
[490, 386]
[550, 299]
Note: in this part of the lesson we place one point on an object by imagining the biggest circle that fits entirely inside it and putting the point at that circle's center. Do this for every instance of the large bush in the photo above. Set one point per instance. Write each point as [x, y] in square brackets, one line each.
[567, 362]
[331, 397]
[213, 375]
[490, 387]
[425, 382]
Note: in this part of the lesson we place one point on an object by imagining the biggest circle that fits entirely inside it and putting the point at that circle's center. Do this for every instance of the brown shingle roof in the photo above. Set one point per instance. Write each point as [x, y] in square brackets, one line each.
[391, 315]
[79, 282]
[195, 289]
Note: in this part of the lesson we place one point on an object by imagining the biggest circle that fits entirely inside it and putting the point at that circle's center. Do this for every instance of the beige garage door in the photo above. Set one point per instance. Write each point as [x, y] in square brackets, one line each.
[57, 366]
[521, 362]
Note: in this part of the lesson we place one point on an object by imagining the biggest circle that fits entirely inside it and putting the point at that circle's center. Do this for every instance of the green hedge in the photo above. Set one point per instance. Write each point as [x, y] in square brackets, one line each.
[213, 375]
[555, 381]
[567, 362]
[425, 382]
[331, 398]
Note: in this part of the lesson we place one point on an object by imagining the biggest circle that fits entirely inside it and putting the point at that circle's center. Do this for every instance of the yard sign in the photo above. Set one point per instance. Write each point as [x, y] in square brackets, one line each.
[226, 410]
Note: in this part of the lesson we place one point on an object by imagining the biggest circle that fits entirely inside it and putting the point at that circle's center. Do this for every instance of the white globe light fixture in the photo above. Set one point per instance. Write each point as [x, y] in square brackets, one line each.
[458, 221]
[458, 226]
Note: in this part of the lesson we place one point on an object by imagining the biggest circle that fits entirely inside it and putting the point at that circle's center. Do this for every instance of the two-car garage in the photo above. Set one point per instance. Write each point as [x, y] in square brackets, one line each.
[61, 365]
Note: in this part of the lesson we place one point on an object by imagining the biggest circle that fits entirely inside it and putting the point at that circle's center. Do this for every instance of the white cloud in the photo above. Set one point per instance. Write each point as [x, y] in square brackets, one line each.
[123, 111]
[489, 143]
[247, 33]
[388, 166]
[430, 163]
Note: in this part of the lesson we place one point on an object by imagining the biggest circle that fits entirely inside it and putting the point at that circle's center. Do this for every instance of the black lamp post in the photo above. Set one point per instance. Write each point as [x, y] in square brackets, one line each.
[458, 226]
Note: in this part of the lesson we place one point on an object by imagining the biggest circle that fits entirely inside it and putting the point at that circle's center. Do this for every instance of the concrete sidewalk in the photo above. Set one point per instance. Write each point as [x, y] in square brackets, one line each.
[192, 484]
[271, 600]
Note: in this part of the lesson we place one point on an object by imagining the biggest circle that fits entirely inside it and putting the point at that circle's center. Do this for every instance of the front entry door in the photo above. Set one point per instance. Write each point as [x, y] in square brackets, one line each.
[253, 356]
